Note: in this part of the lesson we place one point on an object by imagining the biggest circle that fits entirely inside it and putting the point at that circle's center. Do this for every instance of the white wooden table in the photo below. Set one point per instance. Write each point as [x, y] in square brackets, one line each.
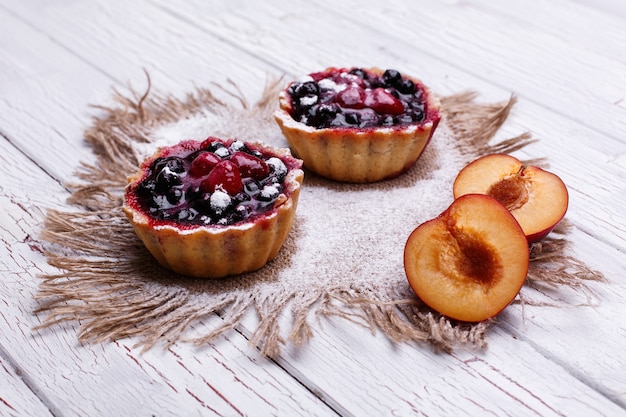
[565, 60]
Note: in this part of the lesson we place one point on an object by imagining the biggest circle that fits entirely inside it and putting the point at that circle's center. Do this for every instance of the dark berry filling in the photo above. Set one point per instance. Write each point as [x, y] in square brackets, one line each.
[357, 98]
[211, 182]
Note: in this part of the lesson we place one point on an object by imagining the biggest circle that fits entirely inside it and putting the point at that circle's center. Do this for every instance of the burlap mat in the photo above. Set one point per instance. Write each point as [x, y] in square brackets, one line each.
[343, 256]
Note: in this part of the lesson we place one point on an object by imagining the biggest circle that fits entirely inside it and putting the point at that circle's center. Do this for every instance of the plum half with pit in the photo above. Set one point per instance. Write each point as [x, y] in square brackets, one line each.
[470, 262]
[538, 199]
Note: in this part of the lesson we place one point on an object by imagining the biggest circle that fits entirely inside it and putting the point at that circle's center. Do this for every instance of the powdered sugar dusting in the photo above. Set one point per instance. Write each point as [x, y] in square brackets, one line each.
[278, 166]
[308, 100]
[220, 200]
[197, 126]
[328, 84]
[225, 124]
[269, 192]
[343, 255]
[355, 234]
[348, 234]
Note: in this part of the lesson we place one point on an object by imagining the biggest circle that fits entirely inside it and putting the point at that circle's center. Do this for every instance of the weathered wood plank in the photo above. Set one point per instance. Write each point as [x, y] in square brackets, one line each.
[51, 82]
[561, 19]
[512, 377]
[16, 398]
[607, 7]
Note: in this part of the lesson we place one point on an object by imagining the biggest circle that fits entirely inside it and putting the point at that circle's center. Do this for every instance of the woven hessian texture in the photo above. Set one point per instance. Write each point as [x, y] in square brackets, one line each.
[343, 257]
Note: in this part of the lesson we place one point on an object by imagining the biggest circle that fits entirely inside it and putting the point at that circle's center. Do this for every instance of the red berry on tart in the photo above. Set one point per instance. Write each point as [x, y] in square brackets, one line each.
[356, 124]
[216, 207]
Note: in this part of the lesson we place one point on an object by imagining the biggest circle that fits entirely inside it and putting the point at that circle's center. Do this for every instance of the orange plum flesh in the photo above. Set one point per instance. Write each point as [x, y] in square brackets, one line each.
[470, 262]
[538, 199]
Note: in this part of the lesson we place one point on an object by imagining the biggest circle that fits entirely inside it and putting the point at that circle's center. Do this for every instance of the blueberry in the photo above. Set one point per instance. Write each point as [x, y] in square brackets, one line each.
[239, 146]
[406, 86]
[352, 118]
[277, 167]
[258, 154]
[147, 188]
[304, 96]
[308, 88]
[294, 89]
[359, 72]
[194, 193]
[159, 164]
[187, 214]
[174, 195]
[241, 212]
[222, 152]
[387, 120]
[418, 115]
[223, 221]
[160, 202]
[220, 201]
[214, 146]
[338, 120]
[241, 198]
[392, 78]
[306, 102]
[324, 114]
[369, 118]
[251, 187]
[174, 164]
[166, 179]
[201, 203]
[269, 193]
[416, 105]
[405, 118]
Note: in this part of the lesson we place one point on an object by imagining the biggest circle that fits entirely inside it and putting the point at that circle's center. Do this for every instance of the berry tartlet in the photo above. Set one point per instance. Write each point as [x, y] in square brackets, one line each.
[358, 125]
[216, 207]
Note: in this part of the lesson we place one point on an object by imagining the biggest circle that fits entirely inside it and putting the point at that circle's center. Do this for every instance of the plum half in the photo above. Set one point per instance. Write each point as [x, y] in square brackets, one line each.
[470, 262]
[538, 199]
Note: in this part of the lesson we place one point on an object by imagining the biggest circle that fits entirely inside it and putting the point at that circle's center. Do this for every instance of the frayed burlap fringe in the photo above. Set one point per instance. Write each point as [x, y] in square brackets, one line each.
[113, 289]
[477, 124]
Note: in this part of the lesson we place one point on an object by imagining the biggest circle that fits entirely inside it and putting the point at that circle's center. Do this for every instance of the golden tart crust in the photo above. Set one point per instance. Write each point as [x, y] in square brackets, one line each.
[359, 155]
[213, 250]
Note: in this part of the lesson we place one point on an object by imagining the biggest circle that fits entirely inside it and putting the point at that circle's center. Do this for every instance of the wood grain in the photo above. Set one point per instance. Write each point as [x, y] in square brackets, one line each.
[16, 398]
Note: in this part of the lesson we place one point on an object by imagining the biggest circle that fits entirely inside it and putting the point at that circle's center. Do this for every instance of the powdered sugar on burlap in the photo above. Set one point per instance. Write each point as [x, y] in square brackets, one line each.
[352, 231]
[343, 257]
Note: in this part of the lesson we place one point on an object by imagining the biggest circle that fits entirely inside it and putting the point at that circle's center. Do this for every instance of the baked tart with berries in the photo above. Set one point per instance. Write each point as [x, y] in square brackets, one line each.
[216, 207]
[356, 124]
